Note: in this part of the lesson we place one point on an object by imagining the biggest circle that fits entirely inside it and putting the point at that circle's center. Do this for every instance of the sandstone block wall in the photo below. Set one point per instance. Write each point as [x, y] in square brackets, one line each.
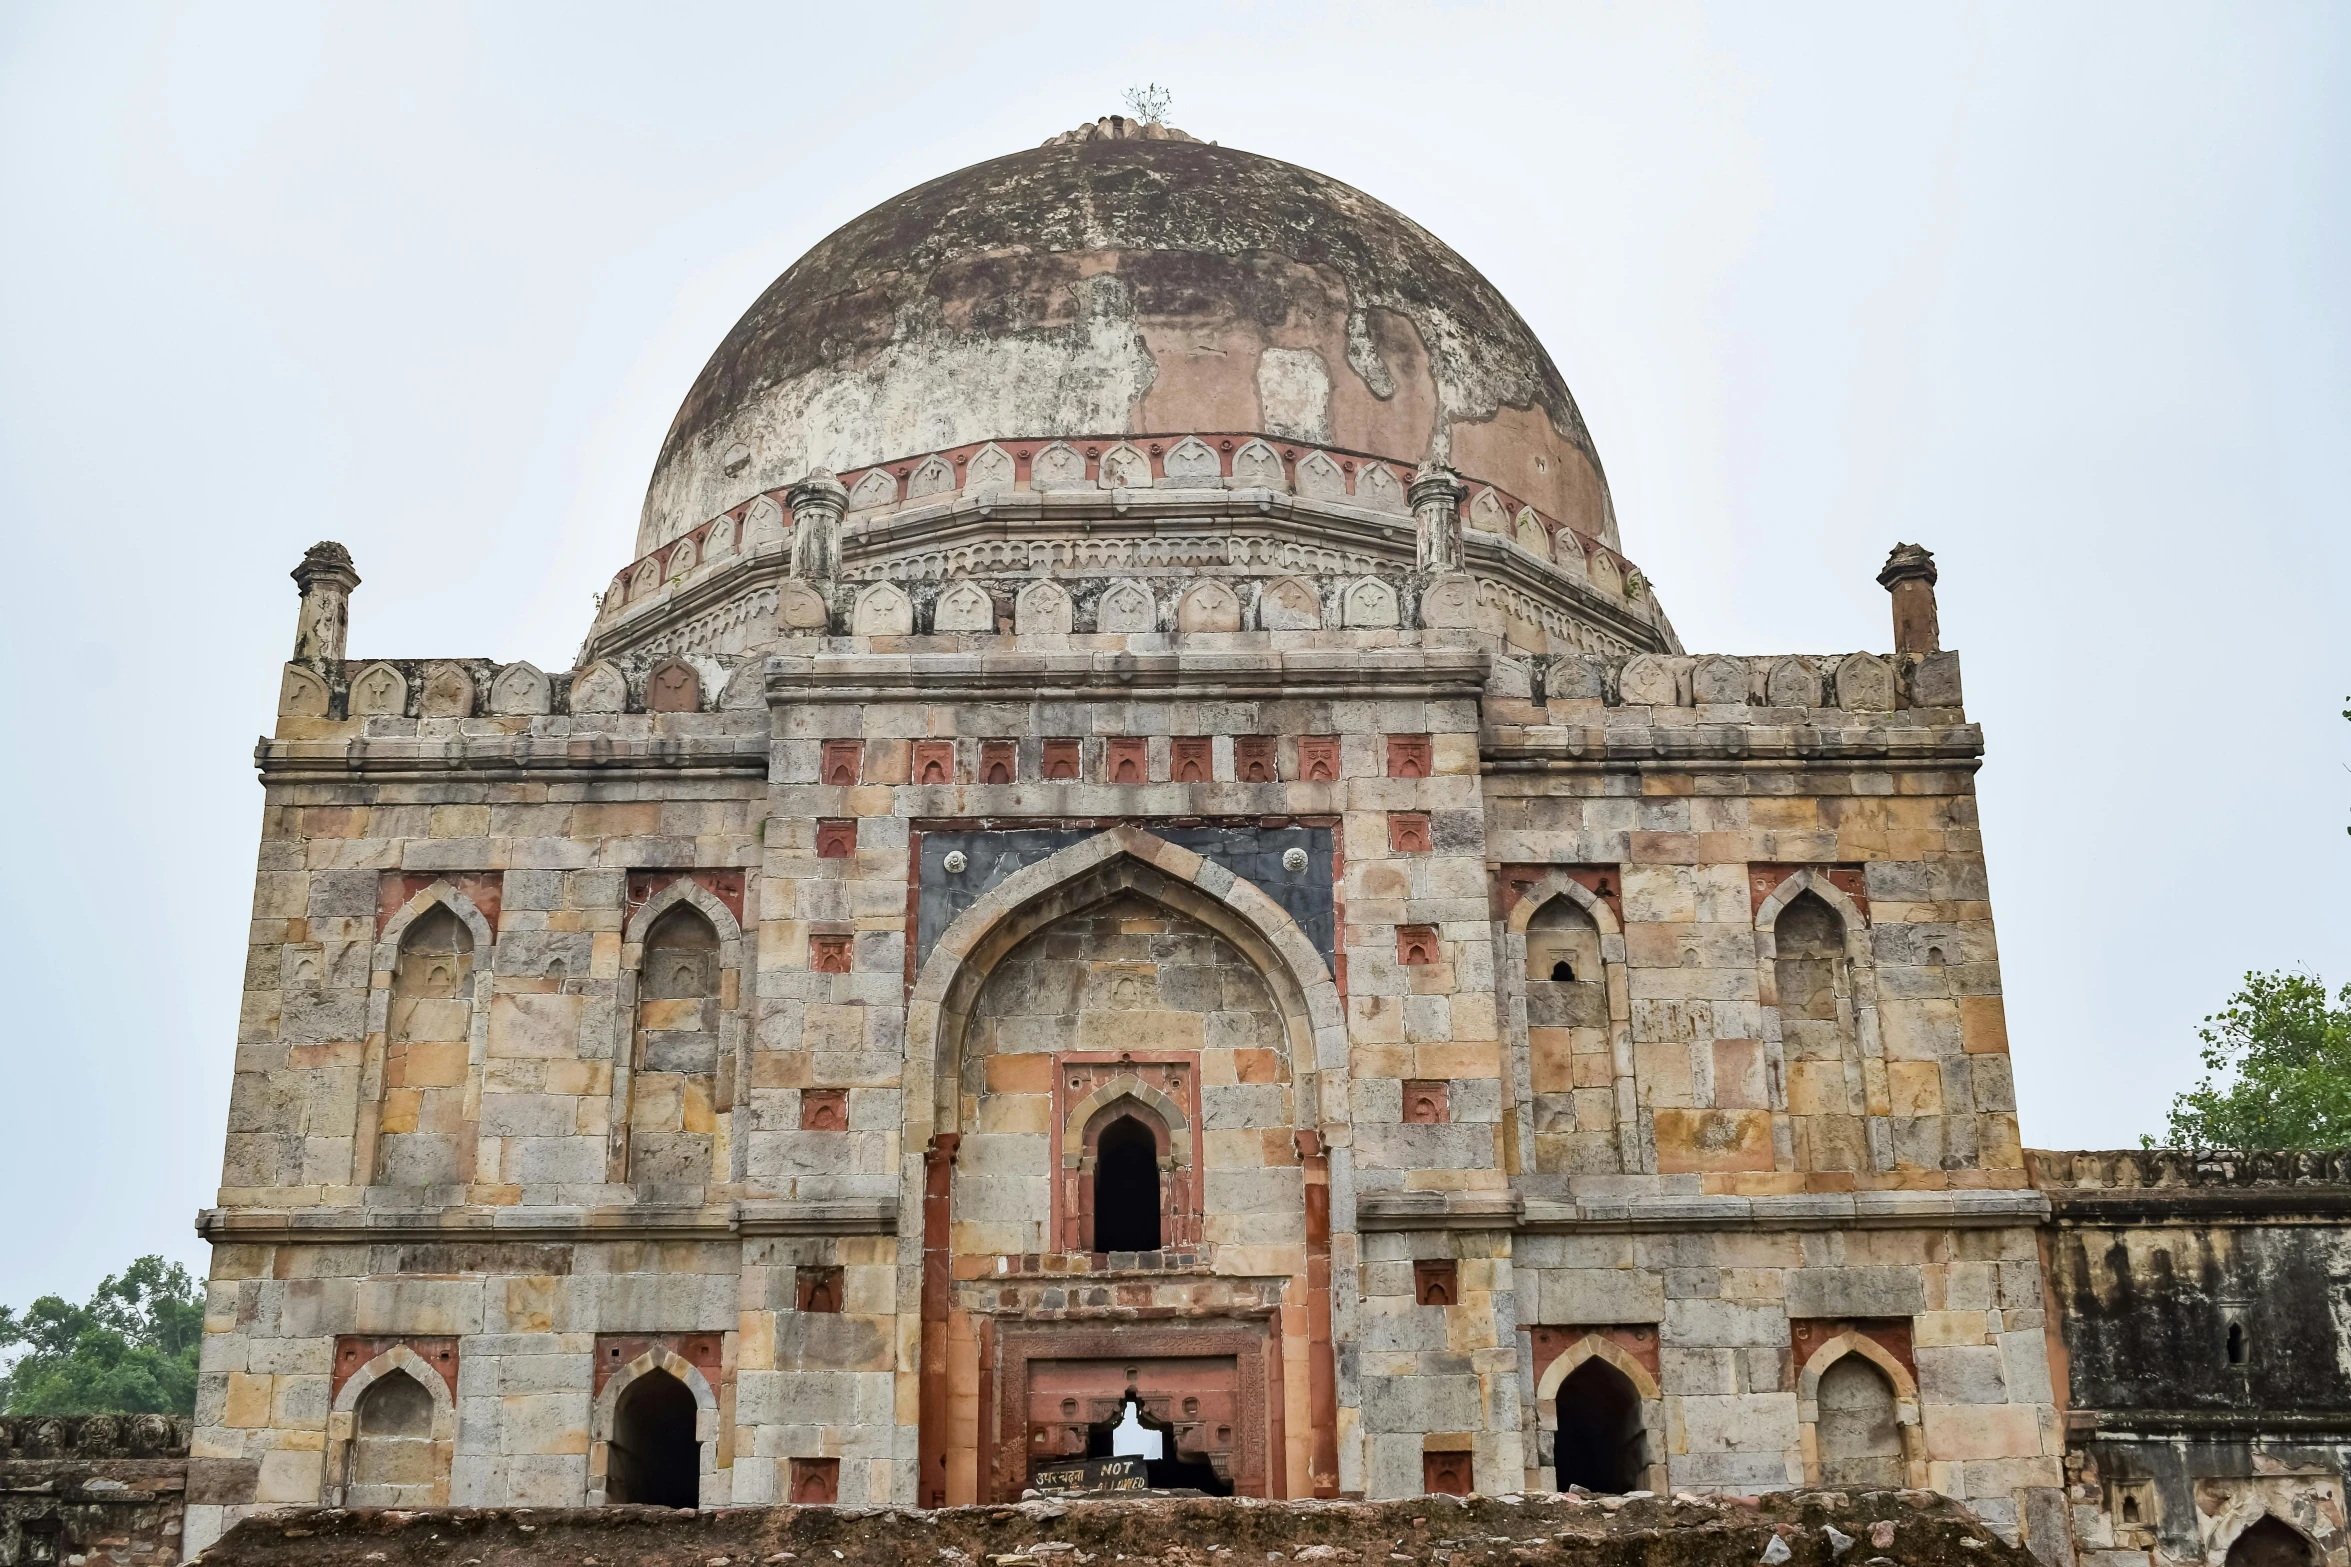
[1520, 1039]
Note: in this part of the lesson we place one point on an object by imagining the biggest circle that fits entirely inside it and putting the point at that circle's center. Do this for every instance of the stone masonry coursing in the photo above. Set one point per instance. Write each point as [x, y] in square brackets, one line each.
[1198, 925]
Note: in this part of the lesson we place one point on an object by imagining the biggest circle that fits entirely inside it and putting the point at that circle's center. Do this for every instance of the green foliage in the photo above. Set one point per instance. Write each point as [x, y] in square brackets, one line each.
[131, 1350]
[2277, 1060]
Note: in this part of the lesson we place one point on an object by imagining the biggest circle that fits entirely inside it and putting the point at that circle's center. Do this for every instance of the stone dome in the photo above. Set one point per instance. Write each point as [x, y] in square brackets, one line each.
[1125, 279]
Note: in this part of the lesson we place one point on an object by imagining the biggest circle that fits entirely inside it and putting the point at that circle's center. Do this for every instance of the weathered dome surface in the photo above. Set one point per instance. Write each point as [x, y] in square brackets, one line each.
[1127, 284]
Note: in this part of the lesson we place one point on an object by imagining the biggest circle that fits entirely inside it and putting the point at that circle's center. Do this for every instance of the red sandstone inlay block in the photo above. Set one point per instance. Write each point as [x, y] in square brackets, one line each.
[1194, 758]
[816, 1482]
[1127, 760]
[702, 1351]
[934, 761]
[842, 760]
[1061, 761]
[1408, 832]
[1318, 758]
[1416, 944]
[836, 840]
[824, 1109]
[1408, 756]
[1253, 759]
[828, 954]
[353, 1350]
[1637, 1339]
[998, 764]
[1445, 1474]
[817, 1288]
[1436, 1281]
[674, 687]
[1425, 1102]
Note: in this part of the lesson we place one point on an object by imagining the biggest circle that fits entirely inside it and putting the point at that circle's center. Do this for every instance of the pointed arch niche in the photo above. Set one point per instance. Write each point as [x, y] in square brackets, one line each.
[1570, 1024]
[1601, 1412]
[642, 1444]
[428, 1033]
[1821, 1044]
[1857, 1416]
[391, 1433]
[674, 1075]
[1072, 1037]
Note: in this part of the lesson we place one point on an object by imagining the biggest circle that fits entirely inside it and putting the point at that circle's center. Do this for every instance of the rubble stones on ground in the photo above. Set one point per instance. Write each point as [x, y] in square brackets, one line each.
[1799, 1528]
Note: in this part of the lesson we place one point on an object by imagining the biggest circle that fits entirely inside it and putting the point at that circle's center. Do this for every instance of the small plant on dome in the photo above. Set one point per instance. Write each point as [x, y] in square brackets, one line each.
[1149, 103]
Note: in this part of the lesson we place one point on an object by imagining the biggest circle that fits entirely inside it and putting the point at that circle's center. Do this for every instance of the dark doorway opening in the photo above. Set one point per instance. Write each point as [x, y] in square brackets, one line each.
[2269, 1543]
[653, 1457]
[1598, 1444]
[1126, 1187]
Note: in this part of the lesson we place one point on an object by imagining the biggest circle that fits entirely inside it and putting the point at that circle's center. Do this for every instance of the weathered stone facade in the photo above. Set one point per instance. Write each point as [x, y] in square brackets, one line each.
[1128, 907]
[2206, 1307]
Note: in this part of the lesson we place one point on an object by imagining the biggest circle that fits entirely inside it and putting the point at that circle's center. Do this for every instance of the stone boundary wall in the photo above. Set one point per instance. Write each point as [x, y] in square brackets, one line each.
[92, 1488]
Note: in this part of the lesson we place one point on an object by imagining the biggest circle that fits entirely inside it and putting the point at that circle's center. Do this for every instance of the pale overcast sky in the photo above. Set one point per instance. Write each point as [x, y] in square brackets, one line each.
[2057, 290]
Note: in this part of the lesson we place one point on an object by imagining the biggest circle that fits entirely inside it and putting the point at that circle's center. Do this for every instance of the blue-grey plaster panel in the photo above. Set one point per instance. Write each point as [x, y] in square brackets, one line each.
[1254, 853]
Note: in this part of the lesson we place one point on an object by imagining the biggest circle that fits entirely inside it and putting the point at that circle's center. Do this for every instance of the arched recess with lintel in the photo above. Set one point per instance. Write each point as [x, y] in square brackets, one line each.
[676, 1067]
[1570, 1035]
[1126, 997]
[428, 1033]
[391, 1435]
[1814, 968]
[1857, 1417]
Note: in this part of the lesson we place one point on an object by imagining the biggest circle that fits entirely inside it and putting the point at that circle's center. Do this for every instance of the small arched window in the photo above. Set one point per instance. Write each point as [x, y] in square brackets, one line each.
[1563, 945]
[2236, 1343]
[1126, 1187]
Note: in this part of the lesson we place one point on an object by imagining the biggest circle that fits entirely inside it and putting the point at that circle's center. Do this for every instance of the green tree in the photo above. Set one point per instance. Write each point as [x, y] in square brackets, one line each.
[131, 1350]
[2277, 1063]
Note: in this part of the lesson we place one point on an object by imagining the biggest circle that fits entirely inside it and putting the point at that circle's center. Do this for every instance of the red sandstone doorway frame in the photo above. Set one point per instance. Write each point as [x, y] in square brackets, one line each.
[1259, 1468]
[1122, 858]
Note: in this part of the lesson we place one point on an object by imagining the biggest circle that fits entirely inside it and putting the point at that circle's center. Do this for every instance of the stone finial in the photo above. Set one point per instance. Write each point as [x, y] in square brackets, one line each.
[1435, 496]
[326, 579]
[818, 503]
[1910, 575]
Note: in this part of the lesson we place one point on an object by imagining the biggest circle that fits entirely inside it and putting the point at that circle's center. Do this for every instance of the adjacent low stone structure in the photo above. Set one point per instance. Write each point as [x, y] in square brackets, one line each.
[1129, 853]
[102, 1490]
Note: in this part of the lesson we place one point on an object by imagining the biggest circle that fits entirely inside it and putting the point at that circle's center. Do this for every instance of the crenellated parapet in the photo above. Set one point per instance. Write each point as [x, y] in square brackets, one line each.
[93, 1436]
[387, 698]
[2192, 1185]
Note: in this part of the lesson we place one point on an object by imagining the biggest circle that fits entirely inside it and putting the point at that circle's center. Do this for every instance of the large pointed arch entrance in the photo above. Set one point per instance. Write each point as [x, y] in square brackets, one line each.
[1130, 1055]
